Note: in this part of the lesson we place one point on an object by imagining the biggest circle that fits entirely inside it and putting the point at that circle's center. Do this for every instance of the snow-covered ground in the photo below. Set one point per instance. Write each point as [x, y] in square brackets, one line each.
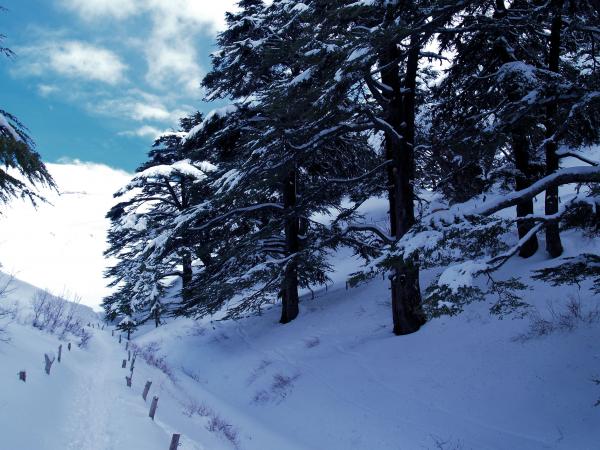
[336, 378]
[61, 243]
[84, 404]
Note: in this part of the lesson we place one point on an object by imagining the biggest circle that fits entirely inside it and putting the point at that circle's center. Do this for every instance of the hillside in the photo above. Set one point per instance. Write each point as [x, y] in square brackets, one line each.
[59, 244]
[337, 378]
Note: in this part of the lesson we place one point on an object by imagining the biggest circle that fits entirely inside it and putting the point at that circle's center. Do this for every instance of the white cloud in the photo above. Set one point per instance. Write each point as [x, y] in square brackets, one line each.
[139, 106]
[170, 46]
[81, 60]
[145, 131]
[73, 59]
[206, 12]
[46, 89]
[172, 63]
[93, 9]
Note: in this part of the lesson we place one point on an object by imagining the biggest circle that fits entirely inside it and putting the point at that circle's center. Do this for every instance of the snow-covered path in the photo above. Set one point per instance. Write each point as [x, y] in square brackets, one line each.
[88, 424]
[85, 404]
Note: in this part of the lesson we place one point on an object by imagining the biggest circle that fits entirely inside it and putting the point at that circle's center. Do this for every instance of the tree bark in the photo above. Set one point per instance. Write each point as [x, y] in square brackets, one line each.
[407, 312]
[523, 180]
[289, 289]
[187, 274]
[553, 241]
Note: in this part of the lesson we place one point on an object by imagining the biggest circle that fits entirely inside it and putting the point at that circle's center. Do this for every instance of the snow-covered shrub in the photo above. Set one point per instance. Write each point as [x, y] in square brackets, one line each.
[216, 423]
[48, 311]
[447, 444]
[40, 299]
[191, 374]
[7, 312]
[259, 371]
[197, 408]
[219, 425]
[569, 317]
[280, 388]
[149, 353]
[56, 315]
[84, 337]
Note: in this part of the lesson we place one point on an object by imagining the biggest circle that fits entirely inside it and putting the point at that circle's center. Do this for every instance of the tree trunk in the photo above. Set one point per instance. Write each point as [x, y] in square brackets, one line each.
[407, 312]
[289, 289]
[553, 241]
[520, 149]
[187, 273]
[523, 180]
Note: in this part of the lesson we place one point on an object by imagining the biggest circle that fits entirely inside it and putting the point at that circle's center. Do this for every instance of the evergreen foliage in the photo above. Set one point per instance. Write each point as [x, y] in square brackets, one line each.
[453, 110]
[21, 167]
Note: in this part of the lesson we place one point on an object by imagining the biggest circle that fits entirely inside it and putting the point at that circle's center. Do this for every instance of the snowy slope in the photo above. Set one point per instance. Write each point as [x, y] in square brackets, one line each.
[336, 378]
[17, 295]
[60, 244]
[84, 404]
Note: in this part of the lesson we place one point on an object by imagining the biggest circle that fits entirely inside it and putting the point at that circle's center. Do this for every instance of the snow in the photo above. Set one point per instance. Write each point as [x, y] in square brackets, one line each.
[4, 124]
[358, 53]
[61, 244]
[214, 114]
[184, 167]
[303, 77]
[461, 275]
[335, 378]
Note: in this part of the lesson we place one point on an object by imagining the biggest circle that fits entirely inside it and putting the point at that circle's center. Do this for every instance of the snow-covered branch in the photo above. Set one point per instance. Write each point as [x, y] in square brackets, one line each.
[558, 178]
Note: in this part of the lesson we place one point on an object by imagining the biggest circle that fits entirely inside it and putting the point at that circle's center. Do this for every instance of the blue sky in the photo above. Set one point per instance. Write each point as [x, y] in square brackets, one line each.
[97, 80]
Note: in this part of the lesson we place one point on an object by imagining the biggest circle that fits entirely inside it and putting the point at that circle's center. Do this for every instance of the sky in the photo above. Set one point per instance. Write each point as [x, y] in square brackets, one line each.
[98, 80]
[94, 81]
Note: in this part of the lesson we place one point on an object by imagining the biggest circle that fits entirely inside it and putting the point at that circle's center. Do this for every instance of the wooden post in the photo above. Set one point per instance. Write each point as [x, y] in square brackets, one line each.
[129, 355]
[146, 389]
[23, 376]
[48, 363]
[153, 407]
[174, 442]
[127, 345]
[69, 346]
[128, 380]
[124, 364]
[119, 339]
[132, 364]
[59, 352]
[112, 332]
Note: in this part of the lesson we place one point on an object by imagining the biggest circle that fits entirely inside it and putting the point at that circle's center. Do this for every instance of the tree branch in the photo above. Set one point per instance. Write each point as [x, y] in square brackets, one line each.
[558, 178]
